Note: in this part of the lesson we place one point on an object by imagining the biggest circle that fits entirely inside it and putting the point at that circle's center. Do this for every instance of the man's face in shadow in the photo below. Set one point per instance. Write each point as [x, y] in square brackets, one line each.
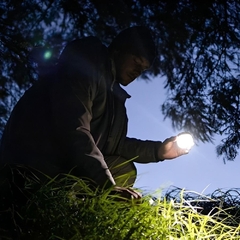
[129, 67]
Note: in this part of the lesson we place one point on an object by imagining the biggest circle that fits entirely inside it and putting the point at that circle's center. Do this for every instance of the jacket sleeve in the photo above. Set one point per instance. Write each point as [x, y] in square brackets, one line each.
[79, 73]
[141, 151]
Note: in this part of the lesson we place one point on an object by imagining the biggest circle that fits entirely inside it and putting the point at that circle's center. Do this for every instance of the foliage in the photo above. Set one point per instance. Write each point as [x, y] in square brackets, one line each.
[67, 208]
[228, 202]
[198, 45]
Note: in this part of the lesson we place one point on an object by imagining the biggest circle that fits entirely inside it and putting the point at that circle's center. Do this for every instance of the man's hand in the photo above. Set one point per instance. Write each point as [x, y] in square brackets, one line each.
[127, 193]
[169, 149]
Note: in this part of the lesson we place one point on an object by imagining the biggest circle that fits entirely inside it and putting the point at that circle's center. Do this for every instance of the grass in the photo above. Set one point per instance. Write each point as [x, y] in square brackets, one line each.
[67, 208]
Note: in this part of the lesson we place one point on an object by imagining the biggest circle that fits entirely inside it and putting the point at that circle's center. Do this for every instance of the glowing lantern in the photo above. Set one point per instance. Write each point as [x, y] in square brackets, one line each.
[185, 141]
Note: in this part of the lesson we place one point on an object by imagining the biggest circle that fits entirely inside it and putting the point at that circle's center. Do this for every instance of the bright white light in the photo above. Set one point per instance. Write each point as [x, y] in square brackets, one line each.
[185, 141]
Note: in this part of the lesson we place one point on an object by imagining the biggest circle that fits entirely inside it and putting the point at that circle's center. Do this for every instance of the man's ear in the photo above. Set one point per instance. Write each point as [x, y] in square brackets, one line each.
[116, 56]
[113, 52]
[116, 53]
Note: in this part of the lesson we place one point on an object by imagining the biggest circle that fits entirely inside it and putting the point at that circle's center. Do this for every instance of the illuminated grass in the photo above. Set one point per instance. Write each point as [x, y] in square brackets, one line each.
[68, 209]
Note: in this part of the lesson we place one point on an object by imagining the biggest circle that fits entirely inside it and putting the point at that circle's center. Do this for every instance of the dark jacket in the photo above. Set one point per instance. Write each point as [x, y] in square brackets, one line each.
[73, 117]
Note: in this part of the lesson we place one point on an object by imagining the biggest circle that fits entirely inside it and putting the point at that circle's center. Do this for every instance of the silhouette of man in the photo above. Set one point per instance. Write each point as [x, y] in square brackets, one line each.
[74, 119]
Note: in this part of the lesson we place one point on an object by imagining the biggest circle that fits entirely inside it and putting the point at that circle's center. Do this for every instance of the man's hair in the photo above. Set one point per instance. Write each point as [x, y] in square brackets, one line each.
[135, 40]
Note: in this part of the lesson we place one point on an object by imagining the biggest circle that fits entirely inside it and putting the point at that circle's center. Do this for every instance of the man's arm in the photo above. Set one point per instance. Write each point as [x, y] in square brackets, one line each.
[145, 151]
[151, 151]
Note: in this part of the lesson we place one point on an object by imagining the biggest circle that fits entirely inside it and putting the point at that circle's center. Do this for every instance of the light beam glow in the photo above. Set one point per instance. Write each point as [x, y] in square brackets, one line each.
[185, 141]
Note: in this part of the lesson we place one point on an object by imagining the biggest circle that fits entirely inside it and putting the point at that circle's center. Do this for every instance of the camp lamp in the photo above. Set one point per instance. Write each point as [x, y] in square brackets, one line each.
[185, 141]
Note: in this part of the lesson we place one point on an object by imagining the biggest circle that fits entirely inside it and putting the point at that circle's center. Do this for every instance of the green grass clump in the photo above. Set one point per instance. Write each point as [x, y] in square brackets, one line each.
[68, 208]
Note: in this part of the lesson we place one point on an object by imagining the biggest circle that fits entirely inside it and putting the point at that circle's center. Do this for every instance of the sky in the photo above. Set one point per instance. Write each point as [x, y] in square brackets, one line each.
[200, 170]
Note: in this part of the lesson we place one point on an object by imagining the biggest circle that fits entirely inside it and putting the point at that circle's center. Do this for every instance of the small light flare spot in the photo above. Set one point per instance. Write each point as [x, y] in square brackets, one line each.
[47, 55]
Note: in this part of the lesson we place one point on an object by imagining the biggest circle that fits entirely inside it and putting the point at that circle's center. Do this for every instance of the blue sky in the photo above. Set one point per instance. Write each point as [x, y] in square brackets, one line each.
[201, 170]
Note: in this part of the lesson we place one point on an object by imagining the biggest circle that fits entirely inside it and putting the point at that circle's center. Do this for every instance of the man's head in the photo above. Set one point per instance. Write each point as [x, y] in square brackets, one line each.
[133, 51]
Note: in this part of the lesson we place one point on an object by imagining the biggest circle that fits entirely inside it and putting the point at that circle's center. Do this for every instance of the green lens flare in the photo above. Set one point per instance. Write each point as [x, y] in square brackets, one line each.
[47, 55]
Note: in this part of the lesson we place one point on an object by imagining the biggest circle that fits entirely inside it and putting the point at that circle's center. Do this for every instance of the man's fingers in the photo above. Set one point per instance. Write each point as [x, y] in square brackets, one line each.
[135, 194]
[170, 139]
[179, 151]
[132, 194]
[128, 193]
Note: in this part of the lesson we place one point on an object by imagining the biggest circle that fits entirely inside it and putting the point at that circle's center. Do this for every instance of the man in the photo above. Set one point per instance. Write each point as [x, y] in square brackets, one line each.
[74, 120]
